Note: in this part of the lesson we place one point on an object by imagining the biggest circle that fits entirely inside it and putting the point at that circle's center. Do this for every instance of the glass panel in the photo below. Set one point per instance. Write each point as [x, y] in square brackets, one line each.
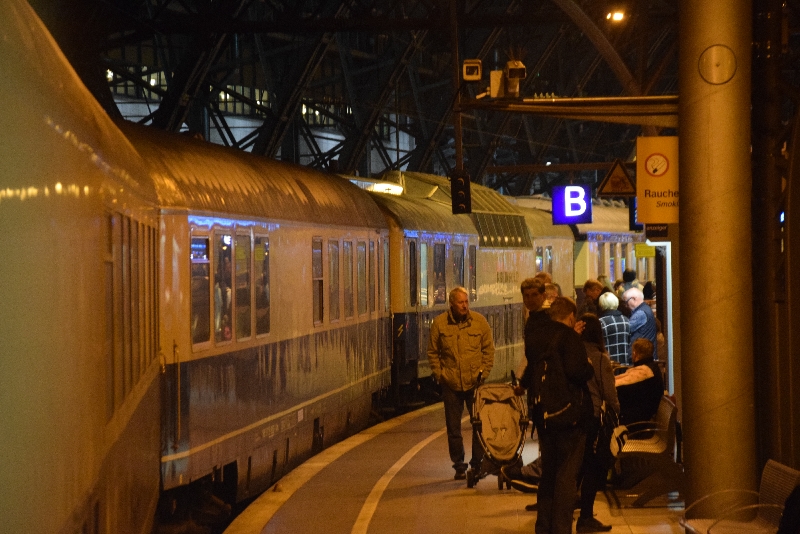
[439, 262]
[316, 279]
[223, 281]
[347, 278]
[539, 259]
[261, 254]
[548, 259]
[473, 274]
[412, 272]
[423, 274]
[244, 305]
[333, 277]
[362, 277]
[601, 256]
[201, 291]
[126, 306]
[623, 258]
[371, 274]
[458, 265]
[386, 280]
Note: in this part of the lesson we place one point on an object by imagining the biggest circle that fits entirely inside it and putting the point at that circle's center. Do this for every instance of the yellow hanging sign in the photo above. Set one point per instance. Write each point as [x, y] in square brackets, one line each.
[657, 180]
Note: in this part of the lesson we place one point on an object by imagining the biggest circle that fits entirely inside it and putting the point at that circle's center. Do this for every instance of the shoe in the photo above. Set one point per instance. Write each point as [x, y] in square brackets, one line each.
[461, 474]
[518, 481]
[524, 486]
[532, 507]
[591, 525]
[511, 472]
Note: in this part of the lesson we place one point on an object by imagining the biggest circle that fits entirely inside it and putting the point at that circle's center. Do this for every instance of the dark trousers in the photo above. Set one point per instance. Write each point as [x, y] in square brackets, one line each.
[562, 455]
[594, 470]
[453, 412]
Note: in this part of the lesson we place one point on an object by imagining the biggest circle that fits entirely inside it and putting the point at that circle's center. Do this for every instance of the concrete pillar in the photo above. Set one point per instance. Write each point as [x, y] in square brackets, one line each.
[715, 230]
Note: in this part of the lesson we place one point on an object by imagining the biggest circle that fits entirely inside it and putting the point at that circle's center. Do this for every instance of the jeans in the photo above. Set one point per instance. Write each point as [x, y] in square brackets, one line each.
[453, 411]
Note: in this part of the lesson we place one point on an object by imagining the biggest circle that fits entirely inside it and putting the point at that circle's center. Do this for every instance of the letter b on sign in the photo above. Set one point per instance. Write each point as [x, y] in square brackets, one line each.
[572, 204]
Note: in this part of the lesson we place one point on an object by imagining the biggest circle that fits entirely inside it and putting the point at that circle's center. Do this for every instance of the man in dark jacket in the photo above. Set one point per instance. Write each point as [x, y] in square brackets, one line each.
[561, 447]
[641, 387]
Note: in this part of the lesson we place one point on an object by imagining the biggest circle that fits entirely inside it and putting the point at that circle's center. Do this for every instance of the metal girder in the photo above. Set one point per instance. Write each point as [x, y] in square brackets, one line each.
[192, 70]
[290, 93]
[354, 148]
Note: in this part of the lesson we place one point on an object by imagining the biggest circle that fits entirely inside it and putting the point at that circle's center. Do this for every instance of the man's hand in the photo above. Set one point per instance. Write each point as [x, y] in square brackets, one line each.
[580, 326]
[519, 391]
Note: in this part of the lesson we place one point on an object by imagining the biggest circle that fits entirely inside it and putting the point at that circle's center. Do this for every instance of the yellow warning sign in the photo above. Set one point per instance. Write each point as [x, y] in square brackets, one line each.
[617, 183]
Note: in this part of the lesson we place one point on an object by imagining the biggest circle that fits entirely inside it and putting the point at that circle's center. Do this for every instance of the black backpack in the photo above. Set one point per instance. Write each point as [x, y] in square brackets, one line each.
[557, 401]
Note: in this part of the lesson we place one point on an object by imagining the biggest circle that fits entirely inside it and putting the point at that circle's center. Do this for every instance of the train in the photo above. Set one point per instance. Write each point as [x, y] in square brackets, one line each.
[184, 323]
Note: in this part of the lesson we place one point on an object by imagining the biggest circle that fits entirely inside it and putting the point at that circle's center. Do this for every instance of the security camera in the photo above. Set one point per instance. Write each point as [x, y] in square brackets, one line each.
[472, 71]
[515, 70]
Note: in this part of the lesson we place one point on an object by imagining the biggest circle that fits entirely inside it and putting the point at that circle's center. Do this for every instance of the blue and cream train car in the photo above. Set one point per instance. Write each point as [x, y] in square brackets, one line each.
[79, 372]
[487, 252]
[274, 316]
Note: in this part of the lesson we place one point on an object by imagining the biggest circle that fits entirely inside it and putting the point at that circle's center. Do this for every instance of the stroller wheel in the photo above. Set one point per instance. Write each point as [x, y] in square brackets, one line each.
[472, 478]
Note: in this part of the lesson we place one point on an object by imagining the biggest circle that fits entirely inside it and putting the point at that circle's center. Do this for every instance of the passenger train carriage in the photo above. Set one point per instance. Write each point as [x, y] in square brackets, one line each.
[274, 311]
[432, 251]
[79, 373]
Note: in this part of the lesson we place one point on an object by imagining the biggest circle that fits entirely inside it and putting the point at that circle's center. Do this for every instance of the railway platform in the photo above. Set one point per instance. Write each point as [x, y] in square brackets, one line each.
[396, 477]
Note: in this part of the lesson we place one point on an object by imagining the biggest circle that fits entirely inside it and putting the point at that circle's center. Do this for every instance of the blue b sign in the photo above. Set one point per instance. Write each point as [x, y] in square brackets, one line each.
[572, 204]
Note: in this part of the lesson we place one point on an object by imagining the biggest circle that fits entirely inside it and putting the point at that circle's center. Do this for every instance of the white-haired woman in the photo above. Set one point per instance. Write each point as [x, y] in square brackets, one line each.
[616, 329]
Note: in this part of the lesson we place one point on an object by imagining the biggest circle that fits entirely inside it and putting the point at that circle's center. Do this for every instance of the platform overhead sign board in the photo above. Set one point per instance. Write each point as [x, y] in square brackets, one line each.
[572, 204]
[657, 179]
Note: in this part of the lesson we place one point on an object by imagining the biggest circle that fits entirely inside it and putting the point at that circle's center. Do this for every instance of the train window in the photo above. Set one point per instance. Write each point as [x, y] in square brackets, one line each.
[201, 290]
[371, 273]
[136, 357]
[412, 272]
[623, 257]
[333, 277]
[261, 254]
[473, 274]
[601, 257]
[423, 274]
[113, 315]
[223, 282]
[458, 265]
[386, 279]
[244, 306]
[539, 259]
[347, 278]
[126, 306]
[361, 252]
[316, 279]
[548, 259]
[439, 262]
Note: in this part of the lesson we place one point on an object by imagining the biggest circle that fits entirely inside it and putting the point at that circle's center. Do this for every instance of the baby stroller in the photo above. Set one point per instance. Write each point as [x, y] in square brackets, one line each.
[500, 418]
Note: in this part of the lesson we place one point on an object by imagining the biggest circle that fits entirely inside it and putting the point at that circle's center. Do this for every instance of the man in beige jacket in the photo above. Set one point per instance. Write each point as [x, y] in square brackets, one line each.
[460, 350]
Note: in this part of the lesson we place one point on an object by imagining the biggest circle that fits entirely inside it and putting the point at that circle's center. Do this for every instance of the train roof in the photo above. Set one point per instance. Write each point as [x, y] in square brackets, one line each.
[51, 122]
[541, 225]
[200, 176]
[608, 220]
[425, 205]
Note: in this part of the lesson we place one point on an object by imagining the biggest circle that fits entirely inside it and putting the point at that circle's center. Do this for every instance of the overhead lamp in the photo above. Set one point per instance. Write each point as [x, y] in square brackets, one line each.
[616, 16]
